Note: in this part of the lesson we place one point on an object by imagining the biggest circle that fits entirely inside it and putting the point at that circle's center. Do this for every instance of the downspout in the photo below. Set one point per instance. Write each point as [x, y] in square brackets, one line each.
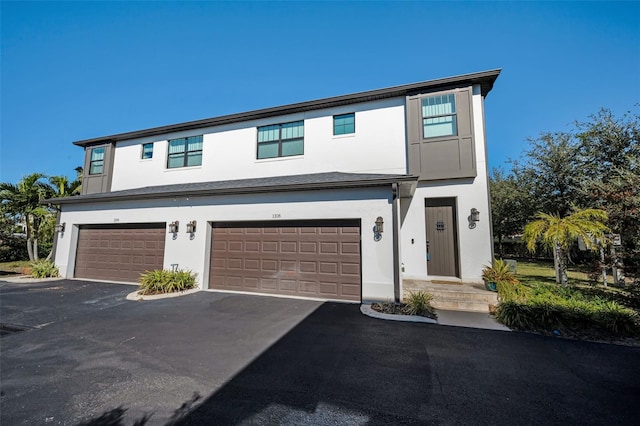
[396, 245]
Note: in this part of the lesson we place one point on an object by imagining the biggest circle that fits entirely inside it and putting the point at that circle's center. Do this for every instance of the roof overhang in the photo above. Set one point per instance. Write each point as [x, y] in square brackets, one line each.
[312, 182]
[485, 79]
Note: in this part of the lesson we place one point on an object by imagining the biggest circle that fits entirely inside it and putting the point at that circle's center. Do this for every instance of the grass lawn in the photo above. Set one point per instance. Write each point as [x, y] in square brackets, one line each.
[540, 270]
[15, 267]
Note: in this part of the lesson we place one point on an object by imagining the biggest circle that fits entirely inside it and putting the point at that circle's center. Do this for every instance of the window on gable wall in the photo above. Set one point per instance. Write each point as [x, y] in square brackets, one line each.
[96, 163]
[185, 152]
[147, 151]
[344, 124]
[439, 116]
[281, 140]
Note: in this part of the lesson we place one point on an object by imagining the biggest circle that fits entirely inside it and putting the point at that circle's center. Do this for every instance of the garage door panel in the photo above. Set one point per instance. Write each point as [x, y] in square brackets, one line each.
[119, 252]
[304, 259]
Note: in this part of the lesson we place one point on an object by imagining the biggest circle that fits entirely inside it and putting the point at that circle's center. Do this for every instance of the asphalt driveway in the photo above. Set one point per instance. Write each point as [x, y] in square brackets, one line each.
[92, 357]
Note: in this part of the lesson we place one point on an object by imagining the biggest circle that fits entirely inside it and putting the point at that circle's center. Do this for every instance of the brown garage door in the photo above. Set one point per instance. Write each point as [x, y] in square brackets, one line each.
[119, 252]
[309, 259]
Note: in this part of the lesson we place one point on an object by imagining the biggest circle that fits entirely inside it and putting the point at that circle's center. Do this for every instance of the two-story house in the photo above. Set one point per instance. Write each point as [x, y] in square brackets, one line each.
[338, 198]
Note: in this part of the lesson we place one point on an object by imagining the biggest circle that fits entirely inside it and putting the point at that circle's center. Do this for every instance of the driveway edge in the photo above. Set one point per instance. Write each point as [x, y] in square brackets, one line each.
[365, 308]
[136, 297]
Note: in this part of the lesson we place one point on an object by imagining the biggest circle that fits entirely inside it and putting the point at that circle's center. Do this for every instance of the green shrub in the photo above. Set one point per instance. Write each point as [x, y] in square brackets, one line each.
[419, 303]
[44, 269]
[548, 308]
[162, 281]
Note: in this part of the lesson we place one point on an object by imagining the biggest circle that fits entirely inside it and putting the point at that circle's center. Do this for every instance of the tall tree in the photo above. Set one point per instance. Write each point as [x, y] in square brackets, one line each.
[552, 170]
[22, 200]
[559, 233]
[511, 205]
[610, 158]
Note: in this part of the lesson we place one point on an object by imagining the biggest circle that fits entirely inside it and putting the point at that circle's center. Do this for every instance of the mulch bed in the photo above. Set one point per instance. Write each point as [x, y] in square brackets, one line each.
[399, 309]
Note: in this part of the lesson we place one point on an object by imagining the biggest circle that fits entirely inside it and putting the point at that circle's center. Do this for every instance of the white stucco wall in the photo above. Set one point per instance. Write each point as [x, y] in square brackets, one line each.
[363, 204]
[474, 244]
[229, 152]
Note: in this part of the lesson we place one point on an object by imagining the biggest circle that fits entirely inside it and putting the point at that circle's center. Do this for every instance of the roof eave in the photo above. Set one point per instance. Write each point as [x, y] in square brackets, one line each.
[229, 191]
[485, 79]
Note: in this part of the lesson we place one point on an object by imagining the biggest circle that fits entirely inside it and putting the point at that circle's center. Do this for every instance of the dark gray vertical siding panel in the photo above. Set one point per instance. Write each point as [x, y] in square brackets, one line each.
[446, 157]
[92, 184]
[467, 154]
[108, 169]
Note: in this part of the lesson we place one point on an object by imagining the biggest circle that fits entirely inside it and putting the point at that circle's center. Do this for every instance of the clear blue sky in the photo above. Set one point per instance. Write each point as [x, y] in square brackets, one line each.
[78, 70]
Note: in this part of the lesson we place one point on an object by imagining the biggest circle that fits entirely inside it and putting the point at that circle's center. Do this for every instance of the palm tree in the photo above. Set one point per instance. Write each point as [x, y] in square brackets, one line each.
[560, 233]
[61, 187]
[22, 201]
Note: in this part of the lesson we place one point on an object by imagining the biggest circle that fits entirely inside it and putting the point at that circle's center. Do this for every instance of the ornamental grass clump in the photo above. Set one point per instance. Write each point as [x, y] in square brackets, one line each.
[161, 281]
[419, 303]
[44, 269]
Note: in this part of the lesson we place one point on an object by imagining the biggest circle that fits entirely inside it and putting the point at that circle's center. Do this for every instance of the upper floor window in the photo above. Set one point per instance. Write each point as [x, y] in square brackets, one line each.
[185, 152]
[281, 140]
[147, 151]
[344, 124]
[439, 116]
[96, 163]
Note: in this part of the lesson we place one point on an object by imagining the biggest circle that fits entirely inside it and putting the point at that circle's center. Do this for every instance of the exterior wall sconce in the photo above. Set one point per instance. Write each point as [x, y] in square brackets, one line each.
[60, 227]
[191, 227]
[378, 229]
[173, 227]
[473, 218]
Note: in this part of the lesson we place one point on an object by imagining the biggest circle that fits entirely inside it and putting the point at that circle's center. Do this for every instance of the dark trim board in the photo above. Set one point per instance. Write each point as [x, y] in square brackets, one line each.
[287, 223]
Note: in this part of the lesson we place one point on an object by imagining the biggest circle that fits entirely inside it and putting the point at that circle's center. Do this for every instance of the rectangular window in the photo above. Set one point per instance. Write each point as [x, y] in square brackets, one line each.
[185, 152]
[96, 163]
[439, 116]
[147, 151]
[344, 124]
[281, 140]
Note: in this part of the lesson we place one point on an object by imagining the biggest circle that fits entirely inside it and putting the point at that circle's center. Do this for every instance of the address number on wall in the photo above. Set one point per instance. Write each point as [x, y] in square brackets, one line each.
[276, 216]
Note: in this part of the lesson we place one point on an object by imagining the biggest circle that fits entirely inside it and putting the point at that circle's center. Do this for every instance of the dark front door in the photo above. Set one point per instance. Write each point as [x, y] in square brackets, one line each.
[442, 237]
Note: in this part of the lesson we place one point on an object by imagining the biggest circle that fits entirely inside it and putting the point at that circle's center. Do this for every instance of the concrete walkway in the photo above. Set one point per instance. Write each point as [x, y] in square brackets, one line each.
[469, 319]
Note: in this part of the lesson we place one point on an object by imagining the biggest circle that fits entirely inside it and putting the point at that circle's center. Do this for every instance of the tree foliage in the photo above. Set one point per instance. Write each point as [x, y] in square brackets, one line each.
[21, 204]
[560, 233]
[511, 204]
[595, 165]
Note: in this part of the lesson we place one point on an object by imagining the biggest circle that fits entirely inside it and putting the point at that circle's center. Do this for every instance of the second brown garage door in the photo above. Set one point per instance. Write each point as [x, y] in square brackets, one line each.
[119, 252]
[312, 259]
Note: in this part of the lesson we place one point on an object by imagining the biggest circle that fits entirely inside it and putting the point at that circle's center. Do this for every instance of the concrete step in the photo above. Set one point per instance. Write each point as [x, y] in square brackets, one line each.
[460, 305]
[455, 297]
[464, 294]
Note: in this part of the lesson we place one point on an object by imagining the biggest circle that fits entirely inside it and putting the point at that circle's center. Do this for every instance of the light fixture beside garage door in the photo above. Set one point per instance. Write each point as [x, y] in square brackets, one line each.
[173, 227]
[191, 228]
[377, 230]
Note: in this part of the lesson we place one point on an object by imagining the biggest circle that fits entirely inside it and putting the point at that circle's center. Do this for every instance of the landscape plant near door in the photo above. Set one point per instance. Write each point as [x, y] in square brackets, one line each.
[496, 274]
[162, 281]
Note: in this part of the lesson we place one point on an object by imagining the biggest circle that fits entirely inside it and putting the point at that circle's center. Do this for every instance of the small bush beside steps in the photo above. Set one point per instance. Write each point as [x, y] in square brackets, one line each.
[418, 303]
